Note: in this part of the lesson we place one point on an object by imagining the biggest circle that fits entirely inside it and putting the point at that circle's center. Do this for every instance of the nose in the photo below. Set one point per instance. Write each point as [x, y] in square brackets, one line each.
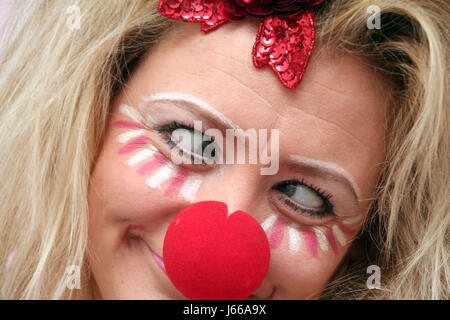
[239, 186]
[226, 257]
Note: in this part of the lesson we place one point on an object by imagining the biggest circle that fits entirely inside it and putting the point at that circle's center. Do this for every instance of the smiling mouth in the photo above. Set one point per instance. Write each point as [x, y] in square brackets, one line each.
[272, 294]
[158, 259]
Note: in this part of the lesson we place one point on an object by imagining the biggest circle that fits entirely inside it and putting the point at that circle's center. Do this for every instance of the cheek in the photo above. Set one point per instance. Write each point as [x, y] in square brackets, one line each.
[132, 181]
[316, 241]
[303, 258]
[156, 170]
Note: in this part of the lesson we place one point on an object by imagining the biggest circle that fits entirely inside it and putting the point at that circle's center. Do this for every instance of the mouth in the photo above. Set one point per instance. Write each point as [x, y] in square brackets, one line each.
[160, 263]
[135, 231]
[158, 259]
[272, 294]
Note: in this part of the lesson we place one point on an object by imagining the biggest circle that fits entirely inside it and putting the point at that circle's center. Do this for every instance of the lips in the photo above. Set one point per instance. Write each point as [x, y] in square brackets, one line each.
[211, 254]
[136, 233]
[272, 294]
[158, 259]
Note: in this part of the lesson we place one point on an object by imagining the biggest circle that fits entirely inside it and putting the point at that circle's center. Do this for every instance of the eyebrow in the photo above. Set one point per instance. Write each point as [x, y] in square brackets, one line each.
[194, 102]
[327, 170]
[320, 168]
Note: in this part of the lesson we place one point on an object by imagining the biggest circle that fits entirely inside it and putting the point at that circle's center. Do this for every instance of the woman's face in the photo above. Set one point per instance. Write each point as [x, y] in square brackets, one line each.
[331, 146]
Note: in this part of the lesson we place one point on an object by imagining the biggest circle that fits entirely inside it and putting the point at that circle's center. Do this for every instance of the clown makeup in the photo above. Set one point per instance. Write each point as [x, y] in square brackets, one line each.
[174, 97]
[309, 238]
[331, 171]
[311, 220]
[311, 209]
[158, 170]
[150, 162]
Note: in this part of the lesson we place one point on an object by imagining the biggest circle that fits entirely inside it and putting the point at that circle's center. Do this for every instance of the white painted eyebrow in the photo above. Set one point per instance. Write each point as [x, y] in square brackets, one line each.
[329, 168]
[182, 97]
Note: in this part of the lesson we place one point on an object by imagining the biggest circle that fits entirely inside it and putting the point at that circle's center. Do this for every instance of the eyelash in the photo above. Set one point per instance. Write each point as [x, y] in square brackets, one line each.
[164, 132]
[328, 206]
[164, 129]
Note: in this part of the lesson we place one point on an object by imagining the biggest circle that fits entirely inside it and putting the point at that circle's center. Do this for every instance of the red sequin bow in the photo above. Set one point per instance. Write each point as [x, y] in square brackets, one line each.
[285, 42]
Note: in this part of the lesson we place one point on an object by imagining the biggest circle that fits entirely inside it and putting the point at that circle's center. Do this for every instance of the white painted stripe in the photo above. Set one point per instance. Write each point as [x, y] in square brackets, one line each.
[339, 235]
[141, 156]
[161, 176]
[190, 188]
[294, 238]
[321, 238]
[268, 222]
[130, 113]
[332, 167]
[129, 135]
[178, 96]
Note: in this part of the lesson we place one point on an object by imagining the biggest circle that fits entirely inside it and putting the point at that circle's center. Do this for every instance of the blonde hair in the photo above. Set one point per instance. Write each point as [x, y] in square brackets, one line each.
[56, 89]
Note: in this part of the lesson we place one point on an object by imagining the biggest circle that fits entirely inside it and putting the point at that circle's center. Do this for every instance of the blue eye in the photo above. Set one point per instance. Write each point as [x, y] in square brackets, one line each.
[306, 198]
[183, 138]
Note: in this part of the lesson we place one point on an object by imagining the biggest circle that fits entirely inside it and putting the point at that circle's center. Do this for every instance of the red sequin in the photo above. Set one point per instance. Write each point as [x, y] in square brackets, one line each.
[208, 12]
[285, 43]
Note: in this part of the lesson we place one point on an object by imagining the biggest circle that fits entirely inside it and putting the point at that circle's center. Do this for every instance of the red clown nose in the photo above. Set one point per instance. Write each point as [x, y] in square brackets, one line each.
[210, 255]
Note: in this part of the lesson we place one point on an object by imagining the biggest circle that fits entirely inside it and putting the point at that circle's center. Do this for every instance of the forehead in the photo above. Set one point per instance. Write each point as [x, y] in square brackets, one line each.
[337, 111]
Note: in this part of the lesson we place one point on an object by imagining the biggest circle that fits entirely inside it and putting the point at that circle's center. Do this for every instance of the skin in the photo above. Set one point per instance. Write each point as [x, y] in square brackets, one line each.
[335, 115]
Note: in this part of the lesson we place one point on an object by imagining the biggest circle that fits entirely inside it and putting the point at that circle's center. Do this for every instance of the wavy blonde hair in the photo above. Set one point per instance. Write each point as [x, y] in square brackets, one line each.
[56, 90]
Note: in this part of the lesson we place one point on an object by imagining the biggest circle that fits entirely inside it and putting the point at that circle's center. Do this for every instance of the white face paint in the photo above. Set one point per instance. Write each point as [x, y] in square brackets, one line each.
[159, 171]
[176, 96]
[298, 237]
[306, 237]
[131, 113]
[130, 135]
[332, 168]
[142, 155]
[257, 138]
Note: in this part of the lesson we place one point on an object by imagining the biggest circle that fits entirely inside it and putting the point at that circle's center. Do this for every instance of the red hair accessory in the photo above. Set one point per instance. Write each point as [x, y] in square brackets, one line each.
[286, 34]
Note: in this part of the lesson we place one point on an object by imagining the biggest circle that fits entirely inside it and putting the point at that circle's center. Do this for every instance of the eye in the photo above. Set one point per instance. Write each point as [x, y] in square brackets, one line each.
[299, 196]
[193, 143]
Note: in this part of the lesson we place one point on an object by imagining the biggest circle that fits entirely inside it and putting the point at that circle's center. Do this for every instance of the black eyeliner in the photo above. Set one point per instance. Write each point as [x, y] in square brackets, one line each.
[328, 206]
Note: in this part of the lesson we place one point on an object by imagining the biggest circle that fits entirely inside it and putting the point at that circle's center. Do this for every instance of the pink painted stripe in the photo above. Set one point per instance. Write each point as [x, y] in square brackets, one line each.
[177, 182]
[159, 261]
[277, 234]
[310, 240]
[347, 230]
[332, 240]
[135, 144]
[155, 163]
[128, 125]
